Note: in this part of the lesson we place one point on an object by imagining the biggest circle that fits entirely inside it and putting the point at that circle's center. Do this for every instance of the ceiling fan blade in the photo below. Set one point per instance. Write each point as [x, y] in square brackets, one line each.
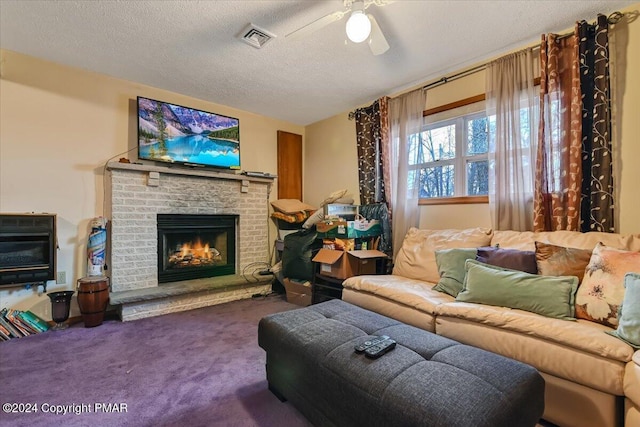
[315, 25]
[377, 42]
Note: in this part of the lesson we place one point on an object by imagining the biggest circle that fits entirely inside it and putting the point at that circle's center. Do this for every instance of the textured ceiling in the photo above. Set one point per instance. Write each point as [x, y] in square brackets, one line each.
[190, 47]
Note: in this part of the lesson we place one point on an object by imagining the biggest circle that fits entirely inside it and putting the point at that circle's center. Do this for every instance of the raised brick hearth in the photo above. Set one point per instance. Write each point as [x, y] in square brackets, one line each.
[137, 193]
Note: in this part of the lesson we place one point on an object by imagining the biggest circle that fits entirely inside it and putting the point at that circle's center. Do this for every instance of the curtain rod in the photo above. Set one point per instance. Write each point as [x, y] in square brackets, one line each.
[613, 18]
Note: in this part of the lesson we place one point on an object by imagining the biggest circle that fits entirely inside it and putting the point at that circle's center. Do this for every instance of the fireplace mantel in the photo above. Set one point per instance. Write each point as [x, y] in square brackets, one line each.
[179, 170]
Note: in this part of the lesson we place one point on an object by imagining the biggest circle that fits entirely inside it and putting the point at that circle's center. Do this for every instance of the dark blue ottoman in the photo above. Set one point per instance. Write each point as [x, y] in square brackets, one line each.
[427, 380]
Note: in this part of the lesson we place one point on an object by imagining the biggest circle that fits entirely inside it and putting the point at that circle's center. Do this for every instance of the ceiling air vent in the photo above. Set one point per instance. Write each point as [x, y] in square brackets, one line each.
[255, 36]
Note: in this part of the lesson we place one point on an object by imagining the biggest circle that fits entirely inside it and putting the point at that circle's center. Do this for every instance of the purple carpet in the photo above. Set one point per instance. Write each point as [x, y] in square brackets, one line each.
[198, 368]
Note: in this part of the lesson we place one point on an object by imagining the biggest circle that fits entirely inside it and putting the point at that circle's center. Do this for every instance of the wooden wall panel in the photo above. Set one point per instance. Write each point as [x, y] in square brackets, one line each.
[289, 165]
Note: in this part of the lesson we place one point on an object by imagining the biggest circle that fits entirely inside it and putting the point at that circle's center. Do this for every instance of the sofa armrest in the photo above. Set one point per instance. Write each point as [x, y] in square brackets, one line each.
[632, 379]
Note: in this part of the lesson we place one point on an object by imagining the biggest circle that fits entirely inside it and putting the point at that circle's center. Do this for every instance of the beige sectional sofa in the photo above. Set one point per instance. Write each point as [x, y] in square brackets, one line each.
[592, 378]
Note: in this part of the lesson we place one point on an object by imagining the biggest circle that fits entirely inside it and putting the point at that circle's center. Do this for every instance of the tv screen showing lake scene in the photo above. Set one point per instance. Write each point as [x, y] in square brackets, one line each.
[176, 134]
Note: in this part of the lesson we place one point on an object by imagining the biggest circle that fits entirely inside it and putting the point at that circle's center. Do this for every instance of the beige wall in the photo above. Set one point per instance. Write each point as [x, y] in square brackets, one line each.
[59, 125]
[626, 122]
[626, 146]
[330, 159]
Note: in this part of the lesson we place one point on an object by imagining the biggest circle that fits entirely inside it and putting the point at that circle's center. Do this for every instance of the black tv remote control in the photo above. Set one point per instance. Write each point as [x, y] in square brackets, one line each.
[378, 350]
[370, 342]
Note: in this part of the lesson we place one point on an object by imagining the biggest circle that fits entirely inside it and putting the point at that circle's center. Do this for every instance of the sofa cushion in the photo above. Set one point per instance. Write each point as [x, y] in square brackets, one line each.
[634, 242]
[552, 296]
[629, 321]
[525, 240]
[602, 289]
[632, 379]
[553, 260]
[578, 351]
[313, 219]
[513, 259]
[319, 214]
[451, 269]
[588, 337]
[334, 197]
[291, 206]
[413, 293]
[416, 258]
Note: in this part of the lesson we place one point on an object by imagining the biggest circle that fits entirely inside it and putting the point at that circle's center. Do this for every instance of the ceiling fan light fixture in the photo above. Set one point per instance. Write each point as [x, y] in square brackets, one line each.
[358, 25]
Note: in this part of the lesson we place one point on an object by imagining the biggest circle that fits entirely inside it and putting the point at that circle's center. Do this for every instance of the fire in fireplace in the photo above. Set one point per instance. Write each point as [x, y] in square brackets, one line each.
[195, 254]
[195, 246]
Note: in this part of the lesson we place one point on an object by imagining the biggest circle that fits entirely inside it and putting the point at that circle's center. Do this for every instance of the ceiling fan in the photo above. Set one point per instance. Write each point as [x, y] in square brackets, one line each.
[359, 27]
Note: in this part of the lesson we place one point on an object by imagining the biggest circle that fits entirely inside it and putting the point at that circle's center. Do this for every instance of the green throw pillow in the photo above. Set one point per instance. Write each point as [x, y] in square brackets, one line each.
[451, 268]
[629, 316]
[552, 296]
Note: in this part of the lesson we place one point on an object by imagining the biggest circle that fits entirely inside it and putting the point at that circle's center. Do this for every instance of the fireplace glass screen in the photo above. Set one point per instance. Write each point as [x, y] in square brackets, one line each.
[195, 250]
[195, 246]
[29, 251]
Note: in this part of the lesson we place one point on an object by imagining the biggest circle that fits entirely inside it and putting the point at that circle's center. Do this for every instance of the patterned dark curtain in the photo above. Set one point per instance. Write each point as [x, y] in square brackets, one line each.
[556, 204]
[369, 143]
[574, 170]
[372, 140]
[596, 202]
[385, 152]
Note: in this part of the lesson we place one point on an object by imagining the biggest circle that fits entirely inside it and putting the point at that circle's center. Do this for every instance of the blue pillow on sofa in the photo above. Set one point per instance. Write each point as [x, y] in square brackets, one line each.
[629, 315]
[551, 296]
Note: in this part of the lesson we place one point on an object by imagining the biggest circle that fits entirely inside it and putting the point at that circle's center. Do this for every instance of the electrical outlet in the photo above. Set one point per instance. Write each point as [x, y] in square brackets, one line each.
[62, 278]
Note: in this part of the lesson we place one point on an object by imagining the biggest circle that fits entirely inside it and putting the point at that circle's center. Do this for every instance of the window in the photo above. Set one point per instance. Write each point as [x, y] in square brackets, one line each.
[450, 157]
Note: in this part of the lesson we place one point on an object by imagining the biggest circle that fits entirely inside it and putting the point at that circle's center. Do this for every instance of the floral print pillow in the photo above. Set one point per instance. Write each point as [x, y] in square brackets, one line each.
[602, 290]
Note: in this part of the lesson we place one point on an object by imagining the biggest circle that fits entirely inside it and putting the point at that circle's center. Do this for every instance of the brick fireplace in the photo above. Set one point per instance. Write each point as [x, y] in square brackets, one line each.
[138, 195]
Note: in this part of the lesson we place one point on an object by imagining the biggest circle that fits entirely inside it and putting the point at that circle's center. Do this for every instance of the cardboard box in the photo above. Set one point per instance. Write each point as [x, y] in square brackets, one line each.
[342, 265]
[298, 291]
[332, 229]
[366, 228]
[349, 229]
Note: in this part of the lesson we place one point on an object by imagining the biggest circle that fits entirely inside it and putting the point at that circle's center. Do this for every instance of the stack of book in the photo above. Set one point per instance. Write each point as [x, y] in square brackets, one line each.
[18, 324]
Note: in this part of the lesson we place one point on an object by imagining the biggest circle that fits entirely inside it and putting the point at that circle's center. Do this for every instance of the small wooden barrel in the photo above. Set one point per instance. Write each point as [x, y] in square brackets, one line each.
[93, 297]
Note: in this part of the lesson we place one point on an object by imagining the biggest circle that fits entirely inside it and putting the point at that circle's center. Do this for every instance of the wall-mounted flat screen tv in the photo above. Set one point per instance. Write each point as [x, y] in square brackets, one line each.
[176, 134]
